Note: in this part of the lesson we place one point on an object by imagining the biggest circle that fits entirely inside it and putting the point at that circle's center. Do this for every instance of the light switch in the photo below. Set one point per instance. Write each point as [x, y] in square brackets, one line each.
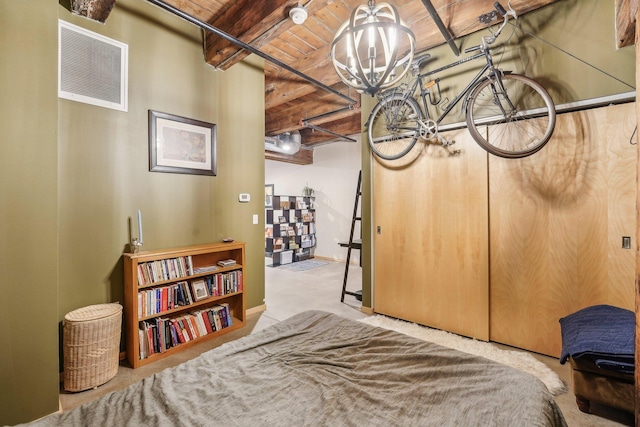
[255, 218]
[626, 242]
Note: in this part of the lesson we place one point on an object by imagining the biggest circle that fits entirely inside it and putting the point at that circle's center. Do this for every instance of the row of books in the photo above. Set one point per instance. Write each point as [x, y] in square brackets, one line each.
[164, 269]
[162, 298]
[160, 334]
[298, 203]
[289, 216]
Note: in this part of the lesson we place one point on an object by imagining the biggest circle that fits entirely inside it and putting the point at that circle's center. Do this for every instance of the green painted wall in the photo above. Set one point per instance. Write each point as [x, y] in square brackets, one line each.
[28, 210]
[74, 174]
[104, 176]
[568, 47]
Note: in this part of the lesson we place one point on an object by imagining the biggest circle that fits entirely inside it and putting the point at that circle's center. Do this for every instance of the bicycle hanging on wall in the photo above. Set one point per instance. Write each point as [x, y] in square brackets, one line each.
[495, 98]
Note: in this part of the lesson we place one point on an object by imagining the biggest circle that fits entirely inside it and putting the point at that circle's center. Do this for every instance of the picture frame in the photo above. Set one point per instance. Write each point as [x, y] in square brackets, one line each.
[268, 195]
[181, 145]
[278, 244]
[199, 290]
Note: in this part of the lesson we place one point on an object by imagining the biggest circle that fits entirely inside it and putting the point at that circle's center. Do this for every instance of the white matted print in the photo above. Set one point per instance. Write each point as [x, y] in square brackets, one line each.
[181, 145]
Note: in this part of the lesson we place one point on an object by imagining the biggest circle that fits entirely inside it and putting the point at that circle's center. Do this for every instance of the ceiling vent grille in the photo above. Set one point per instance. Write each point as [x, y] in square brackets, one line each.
[91, 68]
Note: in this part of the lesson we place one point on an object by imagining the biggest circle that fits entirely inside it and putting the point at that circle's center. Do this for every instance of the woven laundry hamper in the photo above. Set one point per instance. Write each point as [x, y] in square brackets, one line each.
[91, 345]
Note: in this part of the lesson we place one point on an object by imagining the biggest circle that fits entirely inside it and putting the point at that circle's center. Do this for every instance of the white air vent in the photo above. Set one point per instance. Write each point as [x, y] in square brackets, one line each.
[91, 68]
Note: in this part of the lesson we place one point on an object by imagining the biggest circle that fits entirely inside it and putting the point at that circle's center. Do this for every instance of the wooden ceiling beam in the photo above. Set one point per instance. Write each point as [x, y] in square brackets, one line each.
[281, 86]
[302, 157]
[626, 11]
[287, 125]
[96, 10]
[255, 23]
[288, 117]
[246, 20]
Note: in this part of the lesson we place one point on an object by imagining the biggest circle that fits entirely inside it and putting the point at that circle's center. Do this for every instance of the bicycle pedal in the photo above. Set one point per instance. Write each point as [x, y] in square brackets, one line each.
[444, 142]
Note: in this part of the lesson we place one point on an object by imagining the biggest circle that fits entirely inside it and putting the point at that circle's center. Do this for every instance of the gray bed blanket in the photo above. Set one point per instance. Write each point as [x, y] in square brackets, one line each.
[319, 369]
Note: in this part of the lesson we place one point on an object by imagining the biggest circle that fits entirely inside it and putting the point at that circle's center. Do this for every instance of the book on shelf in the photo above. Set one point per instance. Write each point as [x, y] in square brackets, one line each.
[185, 329]
[164, 269]
[178, 331]
[205, 269]
[199, 325]
[160, 334]
[163, 298]
[193, 328]
[143, 343]
[227, 262]
[214, 318]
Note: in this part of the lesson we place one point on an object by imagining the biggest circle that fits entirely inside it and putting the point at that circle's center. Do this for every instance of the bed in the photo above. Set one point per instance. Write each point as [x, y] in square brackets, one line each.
[320, 369]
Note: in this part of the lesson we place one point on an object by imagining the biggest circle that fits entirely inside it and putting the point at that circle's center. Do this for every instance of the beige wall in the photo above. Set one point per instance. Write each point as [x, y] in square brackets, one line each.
[73, 174]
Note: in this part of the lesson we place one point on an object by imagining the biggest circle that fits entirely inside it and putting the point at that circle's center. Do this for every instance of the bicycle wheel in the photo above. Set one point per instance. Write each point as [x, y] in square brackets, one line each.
[393, 126]
[520, 116]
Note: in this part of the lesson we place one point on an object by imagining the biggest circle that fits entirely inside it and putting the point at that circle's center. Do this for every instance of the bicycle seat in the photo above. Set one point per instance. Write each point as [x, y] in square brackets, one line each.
[418, 60]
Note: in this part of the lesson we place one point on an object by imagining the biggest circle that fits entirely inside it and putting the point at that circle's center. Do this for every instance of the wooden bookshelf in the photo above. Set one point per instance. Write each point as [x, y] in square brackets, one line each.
[147, 273]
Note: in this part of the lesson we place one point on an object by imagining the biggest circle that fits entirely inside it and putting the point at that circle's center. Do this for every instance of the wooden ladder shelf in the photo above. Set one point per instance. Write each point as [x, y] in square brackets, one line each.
[353, 243]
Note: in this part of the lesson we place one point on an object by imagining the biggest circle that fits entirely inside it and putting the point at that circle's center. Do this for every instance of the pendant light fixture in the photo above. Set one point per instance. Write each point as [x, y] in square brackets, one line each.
[365, 50]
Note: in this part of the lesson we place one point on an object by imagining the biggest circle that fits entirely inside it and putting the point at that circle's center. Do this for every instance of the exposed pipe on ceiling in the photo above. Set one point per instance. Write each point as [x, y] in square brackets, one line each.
[329, 113]
[228, 37]
[330, 132]
[444, 30]
[306, 123]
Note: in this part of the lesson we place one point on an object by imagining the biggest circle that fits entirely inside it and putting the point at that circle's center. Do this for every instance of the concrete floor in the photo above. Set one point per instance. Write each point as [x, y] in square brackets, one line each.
[290, 292]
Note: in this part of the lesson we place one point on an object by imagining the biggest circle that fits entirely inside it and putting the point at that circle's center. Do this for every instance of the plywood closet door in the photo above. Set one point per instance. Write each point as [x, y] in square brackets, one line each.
[431, 255]
[556, 225]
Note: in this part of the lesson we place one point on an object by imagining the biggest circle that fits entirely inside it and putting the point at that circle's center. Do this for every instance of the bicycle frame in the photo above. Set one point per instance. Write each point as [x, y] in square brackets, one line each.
[424, 92]
[492, 96]
[489, 66]
[460, 96]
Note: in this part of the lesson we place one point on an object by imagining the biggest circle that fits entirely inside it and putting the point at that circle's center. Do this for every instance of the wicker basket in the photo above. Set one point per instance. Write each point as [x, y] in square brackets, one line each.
[91, 346]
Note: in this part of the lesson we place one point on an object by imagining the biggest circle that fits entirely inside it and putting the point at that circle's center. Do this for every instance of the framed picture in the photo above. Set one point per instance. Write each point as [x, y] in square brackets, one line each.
[181, 145]
[278, 244]
[268, 196]
[199, 290]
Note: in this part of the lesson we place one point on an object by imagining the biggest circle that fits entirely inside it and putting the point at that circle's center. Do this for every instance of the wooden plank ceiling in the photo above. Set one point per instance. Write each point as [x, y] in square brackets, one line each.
[289, 99]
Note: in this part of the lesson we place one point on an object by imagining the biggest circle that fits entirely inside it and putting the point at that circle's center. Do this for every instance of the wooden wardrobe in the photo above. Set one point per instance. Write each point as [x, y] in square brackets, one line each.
[500, 249]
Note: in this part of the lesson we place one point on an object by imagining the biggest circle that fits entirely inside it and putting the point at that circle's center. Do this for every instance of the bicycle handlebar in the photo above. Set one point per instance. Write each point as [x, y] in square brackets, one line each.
[486, 41]
[499, 8]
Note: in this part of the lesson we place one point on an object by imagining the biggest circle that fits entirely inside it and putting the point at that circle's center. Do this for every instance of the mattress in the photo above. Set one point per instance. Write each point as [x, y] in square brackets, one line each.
[320, 369]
